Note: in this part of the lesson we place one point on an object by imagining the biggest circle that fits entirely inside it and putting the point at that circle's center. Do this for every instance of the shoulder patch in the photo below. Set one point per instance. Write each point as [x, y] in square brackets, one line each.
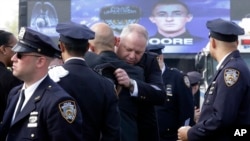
[231, 76]
[186, 81]
[68, 110]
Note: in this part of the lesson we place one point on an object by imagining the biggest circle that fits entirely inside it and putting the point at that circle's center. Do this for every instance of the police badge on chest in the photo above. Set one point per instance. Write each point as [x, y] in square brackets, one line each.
[169, 92]
[33, 120]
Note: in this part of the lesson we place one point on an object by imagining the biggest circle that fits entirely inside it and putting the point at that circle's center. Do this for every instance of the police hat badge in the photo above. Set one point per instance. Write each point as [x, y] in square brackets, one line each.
[118, 16]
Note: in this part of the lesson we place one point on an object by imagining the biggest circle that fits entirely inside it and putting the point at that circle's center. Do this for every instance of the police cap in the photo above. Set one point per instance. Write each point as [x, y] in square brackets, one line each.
[194, 77]
[33, 41]
[155, 48]
[224, 30]
[71, 32]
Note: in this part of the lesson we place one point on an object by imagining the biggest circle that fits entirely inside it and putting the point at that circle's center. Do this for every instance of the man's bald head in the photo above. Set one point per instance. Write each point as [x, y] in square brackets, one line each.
[104, 38]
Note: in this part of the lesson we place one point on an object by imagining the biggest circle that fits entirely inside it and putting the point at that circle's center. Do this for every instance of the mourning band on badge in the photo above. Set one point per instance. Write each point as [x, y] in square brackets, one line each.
[68, 110]
[231, 76]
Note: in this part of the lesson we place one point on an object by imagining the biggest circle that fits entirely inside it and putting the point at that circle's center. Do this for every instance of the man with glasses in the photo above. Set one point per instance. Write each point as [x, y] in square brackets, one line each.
[38, 109]
[171, 17]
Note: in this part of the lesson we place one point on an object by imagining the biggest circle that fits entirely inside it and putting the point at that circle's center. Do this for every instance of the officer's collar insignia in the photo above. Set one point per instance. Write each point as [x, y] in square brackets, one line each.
[68, 110]
[21, 33]
[37, 98]
[231, 76]
[186, 81]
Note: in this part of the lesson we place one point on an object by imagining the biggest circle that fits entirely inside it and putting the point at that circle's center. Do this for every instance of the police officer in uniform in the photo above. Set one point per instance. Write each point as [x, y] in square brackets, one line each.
[7, 80]
[226, 105]
[39, 109]
[198, 96]
[95, 94]
[178, 109]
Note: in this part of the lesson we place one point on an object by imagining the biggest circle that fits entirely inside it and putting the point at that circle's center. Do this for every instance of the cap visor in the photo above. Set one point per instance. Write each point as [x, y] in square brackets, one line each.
[21, 48]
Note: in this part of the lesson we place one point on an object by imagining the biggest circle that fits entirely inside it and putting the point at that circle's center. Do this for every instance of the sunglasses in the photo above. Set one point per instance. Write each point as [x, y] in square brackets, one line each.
[20, 55]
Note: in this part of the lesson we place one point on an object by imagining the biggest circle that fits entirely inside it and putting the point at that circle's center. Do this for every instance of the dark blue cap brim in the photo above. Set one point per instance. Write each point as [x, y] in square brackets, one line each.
[22, 48]
[223, 37]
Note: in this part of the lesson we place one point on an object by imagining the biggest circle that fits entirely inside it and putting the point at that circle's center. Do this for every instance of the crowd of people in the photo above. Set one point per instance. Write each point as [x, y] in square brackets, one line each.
[108, 88]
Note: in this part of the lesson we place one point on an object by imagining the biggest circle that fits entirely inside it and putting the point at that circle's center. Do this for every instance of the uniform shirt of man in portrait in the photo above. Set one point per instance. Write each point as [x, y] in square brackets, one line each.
[171, 18]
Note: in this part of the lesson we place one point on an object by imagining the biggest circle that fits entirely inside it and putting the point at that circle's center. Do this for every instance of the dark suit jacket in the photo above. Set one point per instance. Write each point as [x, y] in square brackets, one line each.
[226, 104]
[148, 96]
[127, 103]
[97, 100]
[44, 108]
[7, 82]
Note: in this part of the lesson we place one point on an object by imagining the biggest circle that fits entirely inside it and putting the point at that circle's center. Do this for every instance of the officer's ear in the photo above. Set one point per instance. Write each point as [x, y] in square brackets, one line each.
[117, 41]
[61, 46]
[212, 42]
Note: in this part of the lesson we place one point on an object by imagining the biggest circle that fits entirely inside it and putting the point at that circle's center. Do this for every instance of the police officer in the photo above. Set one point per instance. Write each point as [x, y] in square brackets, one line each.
[226, 105]
[178, 107]
[7, 80]
[95, 94]
[198, 97]
[38, 109]
[195, 78]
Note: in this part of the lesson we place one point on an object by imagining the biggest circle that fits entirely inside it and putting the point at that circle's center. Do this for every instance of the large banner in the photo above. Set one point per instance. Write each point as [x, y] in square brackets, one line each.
[180, 27]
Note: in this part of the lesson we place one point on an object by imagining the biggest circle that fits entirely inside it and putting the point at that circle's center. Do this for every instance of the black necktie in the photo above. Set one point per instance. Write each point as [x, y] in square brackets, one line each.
[20, 103]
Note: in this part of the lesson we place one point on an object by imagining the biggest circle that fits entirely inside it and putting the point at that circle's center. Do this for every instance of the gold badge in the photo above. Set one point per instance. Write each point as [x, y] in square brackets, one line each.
[231, 76]
[186, 81]
[68, 110]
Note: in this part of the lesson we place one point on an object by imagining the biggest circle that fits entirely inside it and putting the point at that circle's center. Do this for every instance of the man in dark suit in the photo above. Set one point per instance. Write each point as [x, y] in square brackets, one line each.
[7, 80]
[94, 93]
[131, 48]
[39, 109]
[226, 104]
[178, 109]
[103, 46]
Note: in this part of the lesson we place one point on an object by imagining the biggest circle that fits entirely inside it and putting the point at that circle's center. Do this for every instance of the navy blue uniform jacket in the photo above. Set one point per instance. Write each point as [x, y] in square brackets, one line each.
[51, 125]
[97, 100]
[178, 106]
[226, 104]
[151, 92]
